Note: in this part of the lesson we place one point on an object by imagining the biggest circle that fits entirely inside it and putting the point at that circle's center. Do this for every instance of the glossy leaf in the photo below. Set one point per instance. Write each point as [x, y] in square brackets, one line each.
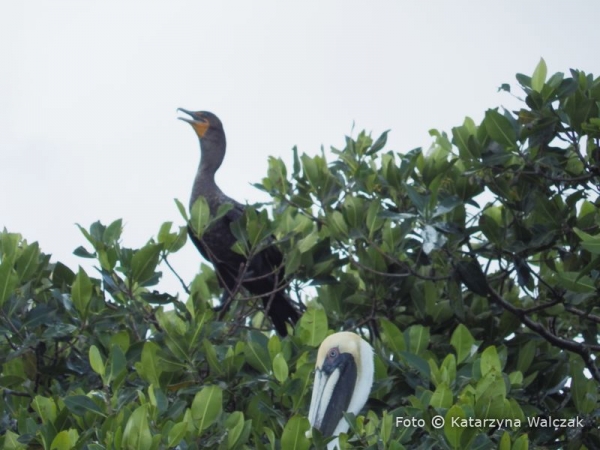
[490, 361]
[539, 76]
[80, 404]
[96, 361]
[294, 434]
[144, 262]
[137, 434]
[65, 440]
[207, 406]
[81, 292]
[235, 426]
[27, 263]
[280, 368]
[46, 408]
[393, 336]
[463, 342]
[8, 280]
[500, 129]
[313, 326]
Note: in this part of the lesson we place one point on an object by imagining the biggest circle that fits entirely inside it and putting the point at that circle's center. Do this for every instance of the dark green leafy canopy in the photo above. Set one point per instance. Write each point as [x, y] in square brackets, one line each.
[472, 267]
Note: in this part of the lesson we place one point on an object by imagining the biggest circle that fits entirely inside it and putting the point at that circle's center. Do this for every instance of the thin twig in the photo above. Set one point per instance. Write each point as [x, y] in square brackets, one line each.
[185, 288]
[584, 351]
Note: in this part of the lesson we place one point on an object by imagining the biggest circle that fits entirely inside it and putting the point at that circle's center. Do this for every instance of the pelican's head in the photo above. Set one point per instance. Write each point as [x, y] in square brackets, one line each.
[343, 380]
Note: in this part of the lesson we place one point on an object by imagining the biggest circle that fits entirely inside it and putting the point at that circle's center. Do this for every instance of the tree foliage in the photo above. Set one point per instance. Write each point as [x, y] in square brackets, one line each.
[472, 267]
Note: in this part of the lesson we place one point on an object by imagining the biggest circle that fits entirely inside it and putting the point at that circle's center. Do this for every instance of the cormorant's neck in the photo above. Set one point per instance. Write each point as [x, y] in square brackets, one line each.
[212, 153]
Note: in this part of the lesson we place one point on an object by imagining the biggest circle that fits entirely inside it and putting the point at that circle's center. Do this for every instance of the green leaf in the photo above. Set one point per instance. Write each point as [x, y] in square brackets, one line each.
[171, 242]
[584, 390]
[45, 407]
[270, 435]
[442, 397]
[311, 170]
[81, 292]
[27, 262]
[490, 396]
[504, 443]
[418, 339]
[294, 434]
[113, 232]
[589, 242]
[9, 245]
[374, 222]
[516, 378]
[177, 434]
[223, 209]
[387, 427]
[573, 281]
[149, 366]
[207, 406]
[65, 440]
[313, 327]
[539, 76]
[200, 216]
[11, 441]
[257, 354]
[523, 80]
[280, 368]
[234, 425]
[80, 404]
[490, 361]
[118, 363]
[308, 242]
[461, 137]
[274, 346]
[96, 361]
[137, 433]
[500, 129]
[521, 443]
[144, 262]
[418, 200]
[211, 356]
[337, 224]
[470, 273]
[448, 369]
[8, 280]
[378, 144]
[491, 226]
[82, 252]
[526, 355]
[182, 210]
[392, 336]
[62, 275]
[463, 342]
[451, 432]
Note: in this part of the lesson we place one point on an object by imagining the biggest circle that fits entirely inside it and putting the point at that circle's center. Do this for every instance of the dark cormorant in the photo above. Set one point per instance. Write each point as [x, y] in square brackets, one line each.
[263, 275]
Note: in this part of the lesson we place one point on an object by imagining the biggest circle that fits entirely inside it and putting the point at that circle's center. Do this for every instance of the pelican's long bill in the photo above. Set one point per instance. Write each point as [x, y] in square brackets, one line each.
[343, 380]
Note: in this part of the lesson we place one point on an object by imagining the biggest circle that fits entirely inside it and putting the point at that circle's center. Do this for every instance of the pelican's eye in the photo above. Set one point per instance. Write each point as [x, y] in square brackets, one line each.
[333, 353]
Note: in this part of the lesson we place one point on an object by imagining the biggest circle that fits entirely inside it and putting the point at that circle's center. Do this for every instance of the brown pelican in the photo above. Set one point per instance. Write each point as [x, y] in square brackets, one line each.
[343, 380]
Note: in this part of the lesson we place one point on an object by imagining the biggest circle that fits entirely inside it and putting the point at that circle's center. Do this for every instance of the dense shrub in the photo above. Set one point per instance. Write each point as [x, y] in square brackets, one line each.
[472, 267]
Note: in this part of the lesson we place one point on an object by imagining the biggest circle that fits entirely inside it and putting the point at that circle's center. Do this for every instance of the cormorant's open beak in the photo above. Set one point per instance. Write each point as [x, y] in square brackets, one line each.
[332, 391]
[198, 123]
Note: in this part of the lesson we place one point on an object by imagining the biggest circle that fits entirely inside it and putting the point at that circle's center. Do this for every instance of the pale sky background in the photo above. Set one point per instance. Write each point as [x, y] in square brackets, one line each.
[89, 92]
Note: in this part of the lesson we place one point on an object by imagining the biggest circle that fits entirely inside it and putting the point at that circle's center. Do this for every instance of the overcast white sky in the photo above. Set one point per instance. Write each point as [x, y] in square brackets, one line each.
[89, 92]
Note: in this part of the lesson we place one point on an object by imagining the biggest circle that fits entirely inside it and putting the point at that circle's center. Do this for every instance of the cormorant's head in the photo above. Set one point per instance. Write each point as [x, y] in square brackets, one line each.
[202, 121]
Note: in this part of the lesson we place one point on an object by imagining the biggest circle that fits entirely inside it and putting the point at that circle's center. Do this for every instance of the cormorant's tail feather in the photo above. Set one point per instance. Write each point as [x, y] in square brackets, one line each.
[281, 311]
